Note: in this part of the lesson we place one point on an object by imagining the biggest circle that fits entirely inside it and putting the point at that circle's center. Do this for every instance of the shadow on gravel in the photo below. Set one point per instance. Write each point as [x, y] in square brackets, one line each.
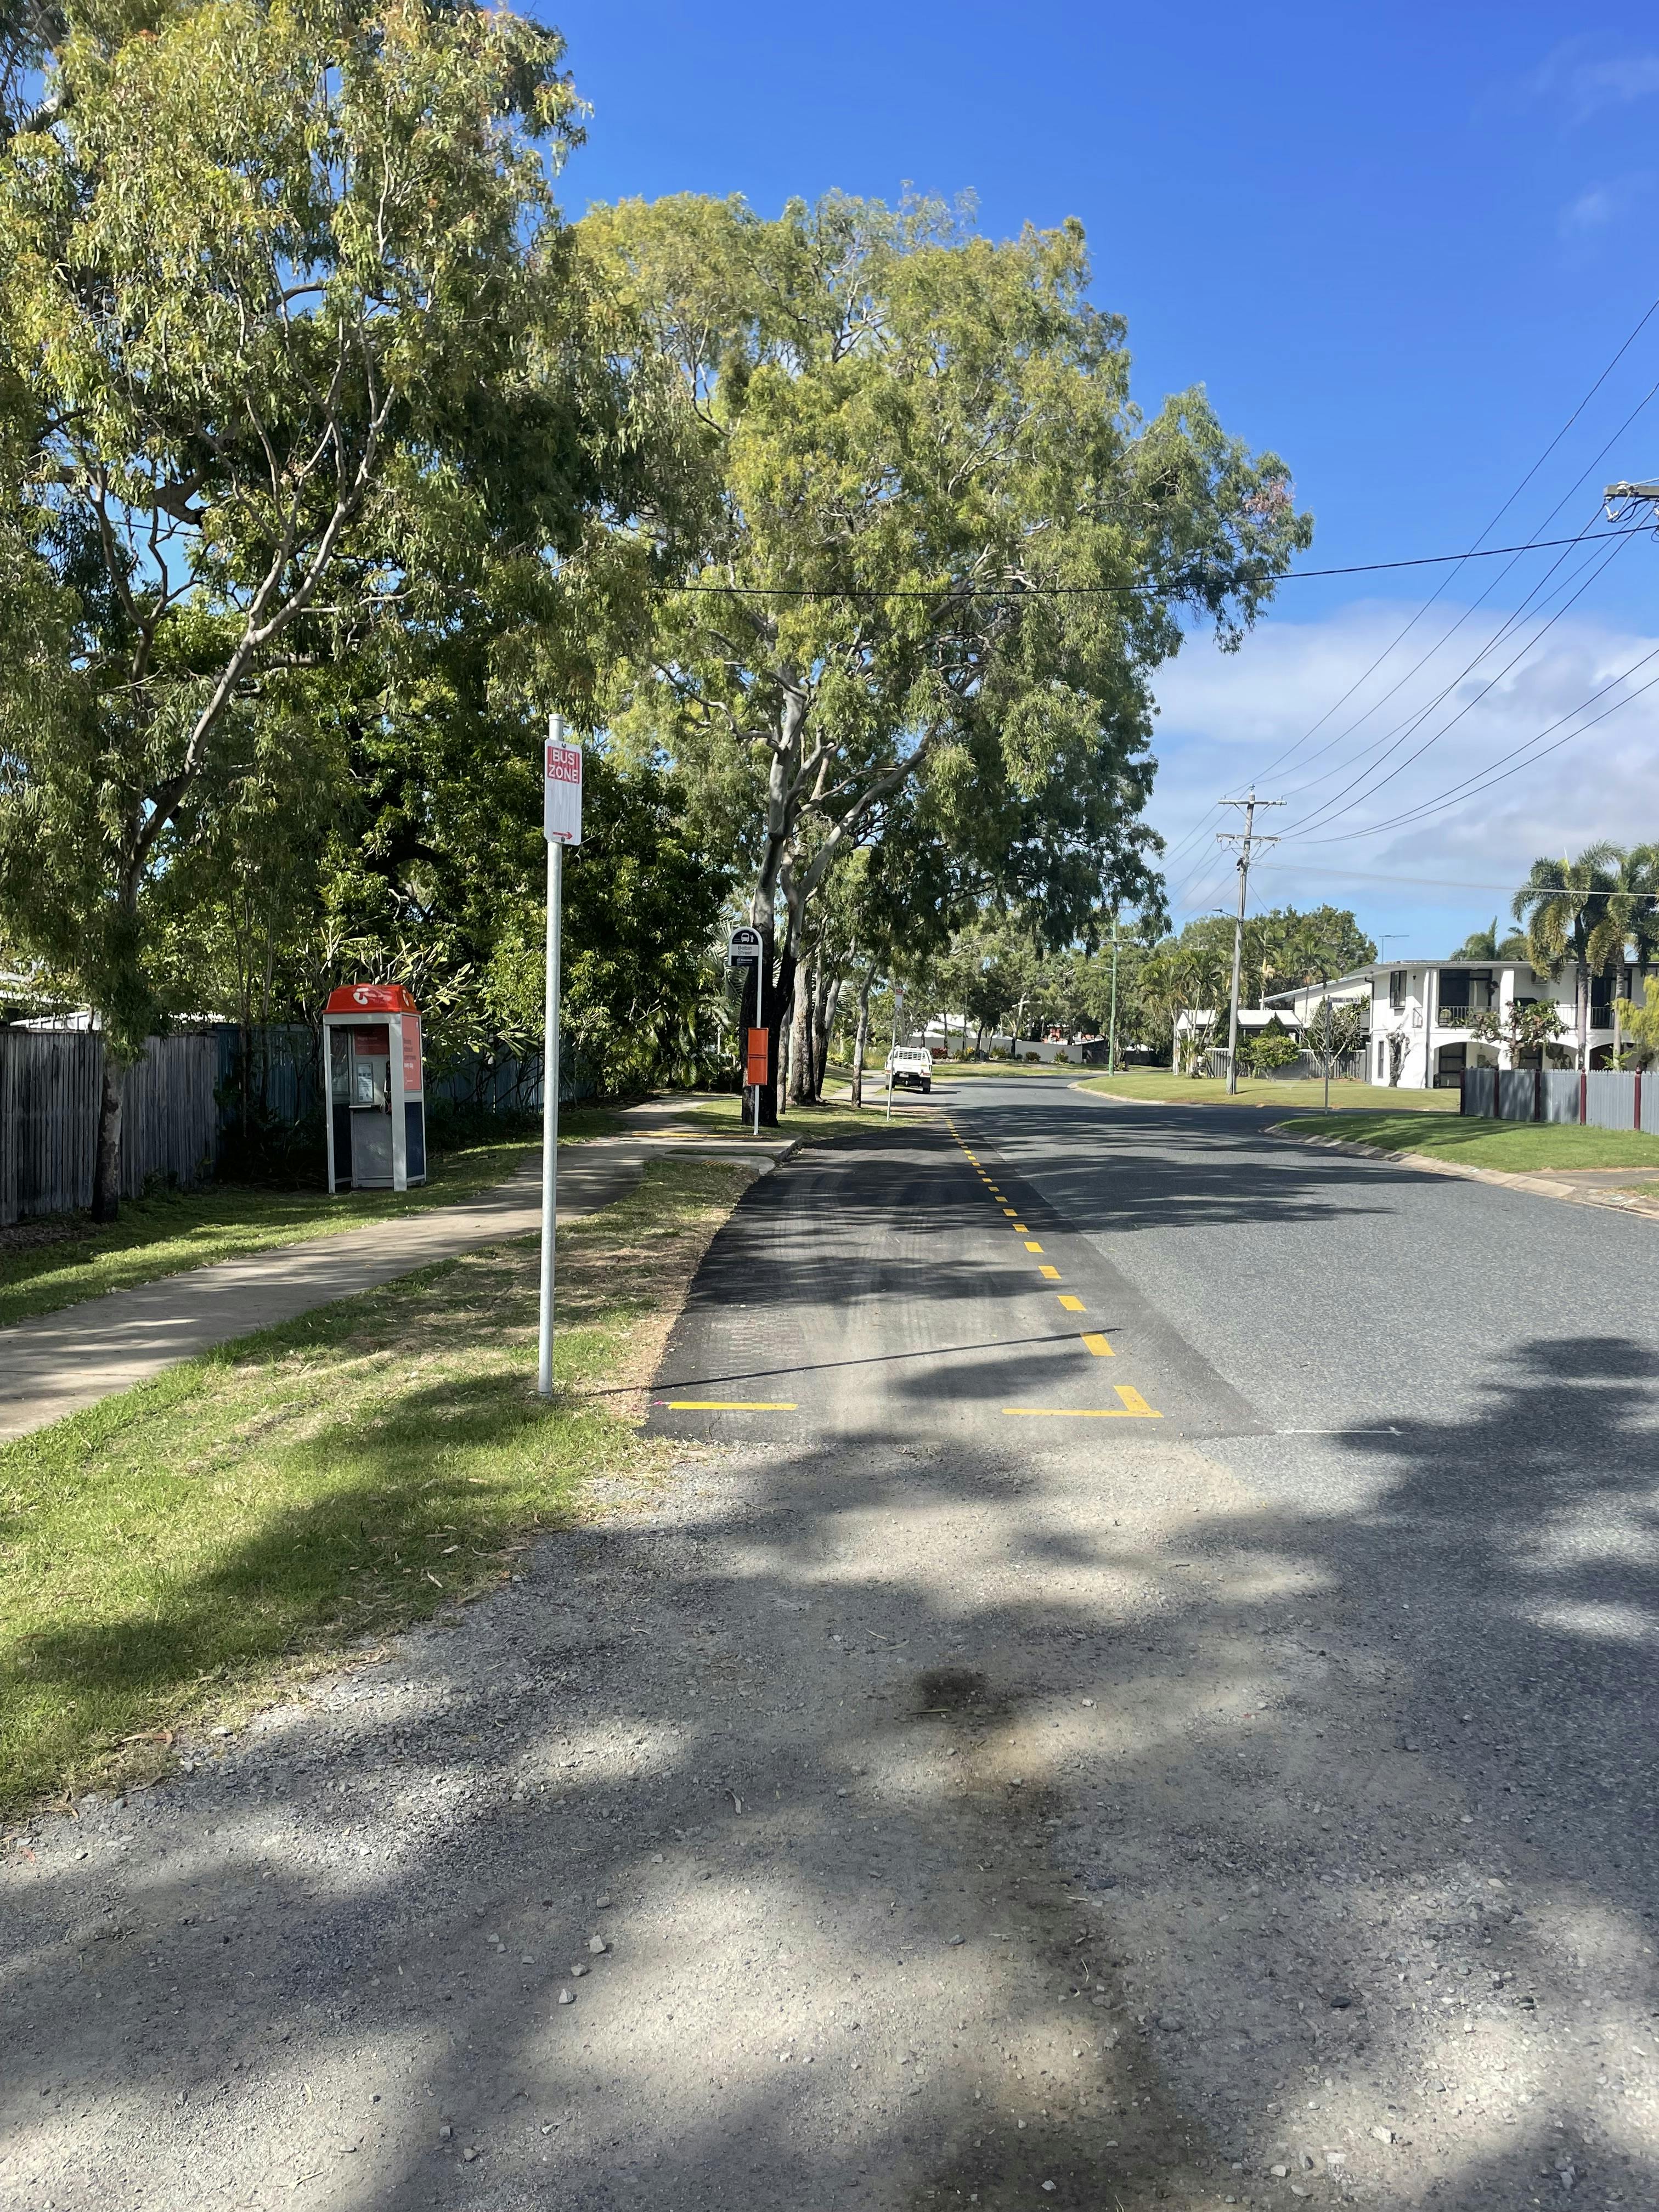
[1267, 1814]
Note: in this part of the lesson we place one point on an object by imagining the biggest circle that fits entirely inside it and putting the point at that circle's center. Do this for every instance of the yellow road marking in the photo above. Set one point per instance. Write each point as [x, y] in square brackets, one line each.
[1032, 1244]
[1098, 1346]
[1071, 1304]
[1053, 1273]
[729, 1405]
[1020, 1226]
[1142, 1412]
[1133, 1407]
[1009, 1211]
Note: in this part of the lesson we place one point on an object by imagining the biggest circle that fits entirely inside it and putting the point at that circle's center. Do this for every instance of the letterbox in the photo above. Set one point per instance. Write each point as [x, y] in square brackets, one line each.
[376, 1090]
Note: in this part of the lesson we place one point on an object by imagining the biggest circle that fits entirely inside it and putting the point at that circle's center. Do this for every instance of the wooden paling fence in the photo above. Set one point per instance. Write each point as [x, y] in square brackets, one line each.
[50, 1082]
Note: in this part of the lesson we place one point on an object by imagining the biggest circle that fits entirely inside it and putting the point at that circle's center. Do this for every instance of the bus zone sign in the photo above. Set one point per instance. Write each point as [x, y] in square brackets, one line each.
[561, 789]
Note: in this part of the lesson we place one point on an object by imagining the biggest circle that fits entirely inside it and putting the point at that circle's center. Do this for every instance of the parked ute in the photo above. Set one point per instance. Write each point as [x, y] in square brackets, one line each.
[912, 1064]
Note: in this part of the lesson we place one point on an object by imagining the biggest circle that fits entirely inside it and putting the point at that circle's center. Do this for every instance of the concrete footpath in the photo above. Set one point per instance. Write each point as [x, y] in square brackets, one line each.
[52, 1366]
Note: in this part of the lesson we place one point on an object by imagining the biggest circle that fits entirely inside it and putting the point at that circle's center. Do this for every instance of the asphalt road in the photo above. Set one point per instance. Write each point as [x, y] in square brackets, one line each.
[1418, 1420]
[1213, 1763]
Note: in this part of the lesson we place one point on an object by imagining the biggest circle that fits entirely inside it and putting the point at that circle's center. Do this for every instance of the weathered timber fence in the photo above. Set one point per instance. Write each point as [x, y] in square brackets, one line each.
[180, 1099]
[50, 1082]
[1599, 1099]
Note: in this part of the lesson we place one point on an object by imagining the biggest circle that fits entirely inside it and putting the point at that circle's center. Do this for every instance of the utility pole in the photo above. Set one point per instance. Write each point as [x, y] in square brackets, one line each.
[1246, 842]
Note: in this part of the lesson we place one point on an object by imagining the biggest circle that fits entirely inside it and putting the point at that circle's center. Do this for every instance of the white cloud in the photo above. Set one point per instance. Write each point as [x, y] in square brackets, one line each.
[1575, 76]
[1226, 718]
[1601, 204]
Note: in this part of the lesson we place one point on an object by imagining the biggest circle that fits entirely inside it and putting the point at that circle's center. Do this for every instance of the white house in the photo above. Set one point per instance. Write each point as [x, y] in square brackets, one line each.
[1420, 1013]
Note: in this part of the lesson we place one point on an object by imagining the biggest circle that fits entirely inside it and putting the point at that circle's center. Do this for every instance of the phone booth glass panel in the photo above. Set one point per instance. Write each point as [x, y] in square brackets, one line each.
[376, 1089]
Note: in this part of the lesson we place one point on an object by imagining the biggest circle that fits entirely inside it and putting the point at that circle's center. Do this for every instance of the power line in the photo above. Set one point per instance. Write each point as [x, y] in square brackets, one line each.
[1496, 772]
[1327, 810]
[1290, 752]
[948, 591]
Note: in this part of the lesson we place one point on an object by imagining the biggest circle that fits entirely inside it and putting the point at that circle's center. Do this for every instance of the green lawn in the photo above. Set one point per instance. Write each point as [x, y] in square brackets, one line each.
[177, 1230]
[1153, 1083]
[1521, 1147]
[168, 1557]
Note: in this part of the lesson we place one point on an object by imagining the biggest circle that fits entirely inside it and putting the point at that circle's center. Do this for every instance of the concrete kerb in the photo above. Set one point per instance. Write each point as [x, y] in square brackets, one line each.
[1539, 1185]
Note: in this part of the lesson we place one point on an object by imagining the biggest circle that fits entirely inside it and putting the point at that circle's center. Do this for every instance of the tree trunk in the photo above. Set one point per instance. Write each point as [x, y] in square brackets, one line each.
[828, 1006]
[861, 1038]
[107, 1168]
[778, 1013]
[800, 1036]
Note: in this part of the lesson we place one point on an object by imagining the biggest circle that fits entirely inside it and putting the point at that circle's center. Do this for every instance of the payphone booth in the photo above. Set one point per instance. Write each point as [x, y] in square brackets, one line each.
[376, 1090]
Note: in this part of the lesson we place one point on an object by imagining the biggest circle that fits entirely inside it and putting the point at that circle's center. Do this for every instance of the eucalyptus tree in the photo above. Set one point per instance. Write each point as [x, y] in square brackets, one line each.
[943, 549]
[294, 349]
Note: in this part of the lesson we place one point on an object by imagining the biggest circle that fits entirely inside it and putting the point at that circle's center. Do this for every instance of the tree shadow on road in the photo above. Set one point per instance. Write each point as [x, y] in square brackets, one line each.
[920, 1753]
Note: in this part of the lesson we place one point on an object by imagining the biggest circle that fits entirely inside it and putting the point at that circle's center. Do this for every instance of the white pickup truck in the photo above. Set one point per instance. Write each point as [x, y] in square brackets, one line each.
[910, 1064]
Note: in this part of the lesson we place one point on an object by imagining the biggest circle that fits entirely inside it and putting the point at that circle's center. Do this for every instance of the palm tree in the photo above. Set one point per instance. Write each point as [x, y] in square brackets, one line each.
[1486, 945]
[1585, 910]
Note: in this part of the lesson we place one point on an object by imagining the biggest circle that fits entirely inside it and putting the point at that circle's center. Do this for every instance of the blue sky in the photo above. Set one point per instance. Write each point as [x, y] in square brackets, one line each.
[1398, 245]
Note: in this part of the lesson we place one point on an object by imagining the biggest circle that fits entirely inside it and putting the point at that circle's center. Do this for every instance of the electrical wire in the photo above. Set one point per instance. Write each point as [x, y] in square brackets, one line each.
[1328, 811]
[946, 590]
[1635, 333]
[1498, 771]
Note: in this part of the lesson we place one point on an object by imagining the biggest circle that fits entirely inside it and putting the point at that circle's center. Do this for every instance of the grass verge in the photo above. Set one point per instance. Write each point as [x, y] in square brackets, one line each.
[1152, 1083]
[724, 1116]
[170, 1556]
[179, 1230]
[1517, 1147]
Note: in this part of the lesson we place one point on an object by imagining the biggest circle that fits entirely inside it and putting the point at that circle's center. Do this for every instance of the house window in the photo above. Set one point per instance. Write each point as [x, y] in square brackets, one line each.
[1601, 1005]
[1397, 992]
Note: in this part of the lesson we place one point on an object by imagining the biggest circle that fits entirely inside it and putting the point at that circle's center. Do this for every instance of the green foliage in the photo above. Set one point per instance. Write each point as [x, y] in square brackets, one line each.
[1336, 1029]
[1264, 1049]
[1283, 948]
[286, 315]
[1529, 1025]
[1486, 945]
[920, 426]
[1640, 1025]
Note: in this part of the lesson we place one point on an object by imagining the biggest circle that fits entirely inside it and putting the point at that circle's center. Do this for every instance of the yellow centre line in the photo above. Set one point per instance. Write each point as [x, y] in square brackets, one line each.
[1009, 1211]
[1053, 1273]
[1032, 1244]
[1098, 1345]
[729, 1405]
[1071, 1304]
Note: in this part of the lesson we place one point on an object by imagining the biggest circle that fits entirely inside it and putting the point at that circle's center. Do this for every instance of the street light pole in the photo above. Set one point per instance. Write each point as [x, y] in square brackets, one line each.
[1247, 844]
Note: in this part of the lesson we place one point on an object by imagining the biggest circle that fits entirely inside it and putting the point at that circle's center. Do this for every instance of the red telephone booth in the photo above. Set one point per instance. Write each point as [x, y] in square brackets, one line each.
[376, 1090]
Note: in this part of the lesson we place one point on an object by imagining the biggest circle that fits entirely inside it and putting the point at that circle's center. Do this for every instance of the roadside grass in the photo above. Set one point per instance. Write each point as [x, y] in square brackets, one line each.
[724, 1116]
[1518, 1147]
[175, 1231]
[174, 1555]
[1158, 1084]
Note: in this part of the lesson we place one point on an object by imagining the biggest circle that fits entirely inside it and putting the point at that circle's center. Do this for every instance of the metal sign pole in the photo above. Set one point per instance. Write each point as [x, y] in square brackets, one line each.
[550, 1117]
[561, 825]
